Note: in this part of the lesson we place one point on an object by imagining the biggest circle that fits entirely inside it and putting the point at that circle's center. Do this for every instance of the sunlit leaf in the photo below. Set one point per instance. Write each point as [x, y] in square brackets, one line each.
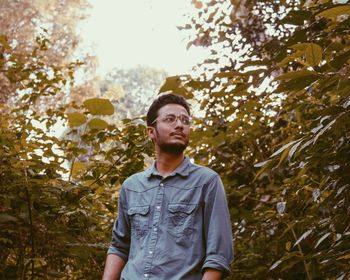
[76, 119]
[293, 149]
[170, 84]
[99, 106]
[303, 236]
[295, 74]
[274, 265]
[97, 124]
[335, 11]
[313, 54]
[322, 238]
[280, 150]
[78, 167]
[344, 257]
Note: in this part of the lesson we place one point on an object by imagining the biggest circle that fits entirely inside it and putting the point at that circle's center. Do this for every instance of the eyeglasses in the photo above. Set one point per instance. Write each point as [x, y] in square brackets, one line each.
[171, 119]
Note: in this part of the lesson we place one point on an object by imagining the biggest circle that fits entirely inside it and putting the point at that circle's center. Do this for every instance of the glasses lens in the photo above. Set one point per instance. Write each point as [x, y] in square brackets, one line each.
[170, 119]
[185, 120]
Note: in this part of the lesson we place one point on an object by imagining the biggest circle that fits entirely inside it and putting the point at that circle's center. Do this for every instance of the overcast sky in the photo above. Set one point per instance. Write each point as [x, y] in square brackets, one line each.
[128, 33]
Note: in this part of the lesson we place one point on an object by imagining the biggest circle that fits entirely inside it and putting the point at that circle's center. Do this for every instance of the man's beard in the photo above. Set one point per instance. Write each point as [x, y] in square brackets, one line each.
[171, 148]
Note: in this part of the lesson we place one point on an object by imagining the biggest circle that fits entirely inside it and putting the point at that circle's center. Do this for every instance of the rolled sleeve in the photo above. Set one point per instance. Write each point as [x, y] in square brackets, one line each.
[120, 244]
[217, 228]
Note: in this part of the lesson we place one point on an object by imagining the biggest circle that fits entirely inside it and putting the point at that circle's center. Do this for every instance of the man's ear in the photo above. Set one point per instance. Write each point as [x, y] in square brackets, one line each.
[151, 132]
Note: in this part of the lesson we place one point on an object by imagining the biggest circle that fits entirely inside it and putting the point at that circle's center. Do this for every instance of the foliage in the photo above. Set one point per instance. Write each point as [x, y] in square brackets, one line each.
[56, 218]
[275, 93]
[21, 22]
[276, 99]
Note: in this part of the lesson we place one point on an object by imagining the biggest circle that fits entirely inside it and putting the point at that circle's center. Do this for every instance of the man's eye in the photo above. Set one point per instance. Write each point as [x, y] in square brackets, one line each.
[169, 119]
[185, 120]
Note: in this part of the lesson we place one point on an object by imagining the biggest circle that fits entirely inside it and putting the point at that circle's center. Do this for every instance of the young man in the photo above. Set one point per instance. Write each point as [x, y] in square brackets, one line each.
[173, 220]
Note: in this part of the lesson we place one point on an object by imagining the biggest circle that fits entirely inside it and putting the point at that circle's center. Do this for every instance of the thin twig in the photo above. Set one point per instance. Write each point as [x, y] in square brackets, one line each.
[109, 170]
[29, 204]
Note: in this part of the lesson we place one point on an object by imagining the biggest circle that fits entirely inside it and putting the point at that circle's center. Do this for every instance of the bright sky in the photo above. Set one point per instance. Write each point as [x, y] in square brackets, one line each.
[127, 33]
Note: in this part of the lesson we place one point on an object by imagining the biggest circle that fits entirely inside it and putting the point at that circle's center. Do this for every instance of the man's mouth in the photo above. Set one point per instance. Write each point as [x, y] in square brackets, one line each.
[178, 134]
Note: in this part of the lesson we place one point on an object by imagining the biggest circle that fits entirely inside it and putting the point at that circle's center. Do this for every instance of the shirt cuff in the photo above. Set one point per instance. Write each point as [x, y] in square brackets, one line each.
[115, 251]
[217, 262]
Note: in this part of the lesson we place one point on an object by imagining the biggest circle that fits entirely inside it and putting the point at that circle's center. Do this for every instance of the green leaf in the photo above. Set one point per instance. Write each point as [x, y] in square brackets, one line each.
[76, 119]
[313, 54]
[99, 106]
[97, 124]
[332, 13]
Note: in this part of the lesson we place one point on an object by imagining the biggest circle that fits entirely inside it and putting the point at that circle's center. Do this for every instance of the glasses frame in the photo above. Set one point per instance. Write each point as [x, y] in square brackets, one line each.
[176, 118]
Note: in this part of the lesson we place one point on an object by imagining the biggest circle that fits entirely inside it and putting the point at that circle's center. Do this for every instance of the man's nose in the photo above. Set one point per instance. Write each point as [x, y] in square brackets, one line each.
[178, 123]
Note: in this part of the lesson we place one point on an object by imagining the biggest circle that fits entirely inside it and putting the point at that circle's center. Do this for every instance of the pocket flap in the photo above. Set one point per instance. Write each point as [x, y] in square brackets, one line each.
[142, 210]
[181, 207]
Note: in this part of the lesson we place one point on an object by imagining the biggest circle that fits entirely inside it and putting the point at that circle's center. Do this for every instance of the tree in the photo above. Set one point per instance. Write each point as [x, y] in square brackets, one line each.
[21, 22]
[132, 89]
[55, 221]
[275, 96]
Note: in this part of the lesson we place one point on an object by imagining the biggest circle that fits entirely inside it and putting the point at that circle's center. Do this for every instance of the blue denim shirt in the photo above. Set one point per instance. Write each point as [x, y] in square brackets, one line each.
[172, 227]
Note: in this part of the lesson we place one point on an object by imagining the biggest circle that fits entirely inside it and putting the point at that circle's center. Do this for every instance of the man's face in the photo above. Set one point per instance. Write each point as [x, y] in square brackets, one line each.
[170, 135]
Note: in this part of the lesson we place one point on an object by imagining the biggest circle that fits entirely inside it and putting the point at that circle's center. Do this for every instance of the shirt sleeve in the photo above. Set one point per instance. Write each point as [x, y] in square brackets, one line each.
[120, 243]
[217, 228]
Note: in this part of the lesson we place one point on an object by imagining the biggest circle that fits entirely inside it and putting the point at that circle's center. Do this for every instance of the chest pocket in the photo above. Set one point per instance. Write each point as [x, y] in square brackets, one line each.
[180, 220]
[139, 218]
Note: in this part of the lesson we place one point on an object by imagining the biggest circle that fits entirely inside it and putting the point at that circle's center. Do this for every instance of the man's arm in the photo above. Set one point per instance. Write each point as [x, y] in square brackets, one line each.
[118, 250]
[217, 230]
[113, 268]
[212, 274]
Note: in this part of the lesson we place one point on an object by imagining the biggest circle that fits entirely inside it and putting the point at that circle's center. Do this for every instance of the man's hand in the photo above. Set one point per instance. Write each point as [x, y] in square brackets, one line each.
[212, 274]
[113, 268]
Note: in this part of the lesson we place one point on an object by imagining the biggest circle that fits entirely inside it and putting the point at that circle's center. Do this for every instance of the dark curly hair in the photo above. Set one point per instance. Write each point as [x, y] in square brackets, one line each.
[163, 100]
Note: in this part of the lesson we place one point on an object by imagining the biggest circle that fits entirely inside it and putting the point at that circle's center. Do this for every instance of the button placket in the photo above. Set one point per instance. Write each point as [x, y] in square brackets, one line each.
[154, 233]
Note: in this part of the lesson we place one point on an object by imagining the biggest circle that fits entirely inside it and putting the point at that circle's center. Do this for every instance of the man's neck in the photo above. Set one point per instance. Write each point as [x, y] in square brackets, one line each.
[167, 163]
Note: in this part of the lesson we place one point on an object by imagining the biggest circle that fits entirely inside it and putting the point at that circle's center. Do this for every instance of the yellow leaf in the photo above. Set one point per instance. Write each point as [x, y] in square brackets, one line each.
[17, 148]
[333, 13]
[295, 74]
[97, 124]
[345, 257]
[171, 83]
[76, 119]
[299, 47]
[99, 106]
[313, 54]
[288, 245]
[78, 168]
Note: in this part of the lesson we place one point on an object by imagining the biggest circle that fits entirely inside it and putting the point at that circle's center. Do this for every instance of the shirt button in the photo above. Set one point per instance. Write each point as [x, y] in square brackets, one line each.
[158, 207]
[155, 229]
[161, 184]
[146, 275]
[150, 252]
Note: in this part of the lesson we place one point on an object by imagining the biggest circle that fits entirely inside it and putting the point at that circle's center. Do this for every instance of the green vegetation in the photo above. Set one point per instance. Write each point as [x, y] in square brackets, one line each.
[276, 96]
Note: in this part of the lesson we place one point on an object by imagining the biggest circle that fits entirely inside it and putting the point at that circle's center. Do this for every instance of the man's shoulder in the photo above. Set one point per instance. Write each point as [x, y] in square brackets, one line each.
[201, 170]
[136, 178]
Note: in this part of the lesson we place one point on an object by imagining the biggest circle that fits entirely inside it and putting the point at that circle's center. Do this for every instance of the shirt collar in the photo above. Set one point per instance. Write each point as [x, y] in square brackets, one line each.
[183, 169]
